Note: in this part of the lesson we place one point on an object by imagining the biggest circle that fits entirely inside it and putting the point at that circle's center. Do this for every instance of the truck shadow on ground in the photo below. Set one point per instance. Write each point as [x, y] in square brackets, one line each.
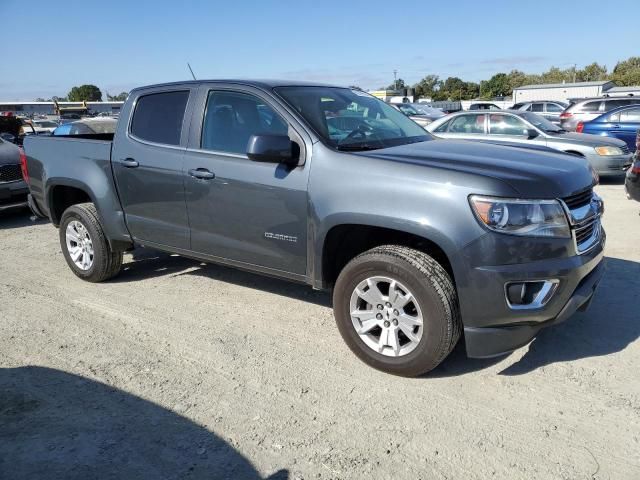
[56, 425]
[18, 218]
[609, 326]
[147, 263]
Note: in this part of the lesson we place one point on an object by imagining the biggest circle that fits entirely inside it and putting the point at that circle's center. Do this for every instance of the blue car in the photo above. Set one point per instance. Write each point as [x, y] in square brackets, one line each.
[621, 123]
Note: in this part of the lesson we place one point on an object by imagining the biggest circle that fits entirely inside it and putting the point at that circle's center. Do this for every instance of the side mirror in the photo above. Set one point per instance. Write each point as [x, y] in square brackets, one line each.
[273, 149]
[532, 133]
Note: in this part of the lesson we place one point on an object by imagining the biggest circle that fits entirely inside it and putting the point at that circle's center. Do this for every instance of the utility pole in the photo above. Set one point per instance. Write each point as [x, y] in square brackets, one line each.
[574, 72]
[395, 79]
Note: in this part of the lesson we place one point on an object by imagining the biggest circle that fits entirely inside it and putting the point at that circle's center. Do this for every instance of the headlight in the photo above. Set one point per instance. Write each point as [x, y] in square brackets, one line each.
[538, 218]
[608, 151]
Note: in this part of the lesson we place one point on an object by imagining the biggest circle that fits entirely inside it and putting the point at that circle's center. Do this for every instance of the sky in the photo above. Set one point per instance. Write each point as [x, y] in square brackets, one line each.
[118, 45]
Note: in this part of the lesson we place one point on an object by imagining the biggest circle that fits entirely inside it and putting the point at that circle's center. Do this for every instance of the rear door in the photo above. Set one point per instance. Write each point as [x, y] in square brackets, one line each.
[147, 158]
[627, 126]
[240, 210]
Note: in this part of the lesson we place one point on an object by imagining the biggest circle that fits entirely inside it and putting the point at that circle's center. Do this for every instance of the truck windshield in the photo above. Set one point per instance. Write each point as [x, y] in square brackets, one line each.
[348, 119]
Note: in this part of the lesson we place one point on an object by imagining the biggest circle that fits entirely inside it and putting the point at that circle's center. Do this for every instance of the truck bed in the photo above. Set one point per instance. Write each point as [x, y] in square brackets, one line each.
[75, 158]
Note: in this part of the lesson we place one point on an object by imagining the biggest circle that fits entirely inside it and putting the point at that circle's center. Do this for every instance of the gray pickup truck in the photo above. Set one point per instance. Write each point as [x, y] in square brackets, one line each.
[420, 239]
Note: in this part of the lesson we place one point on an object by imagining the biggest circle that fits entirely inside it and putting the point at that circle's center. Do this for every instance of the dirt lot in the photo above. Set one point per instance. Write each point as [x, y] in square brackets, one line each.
[184, 370]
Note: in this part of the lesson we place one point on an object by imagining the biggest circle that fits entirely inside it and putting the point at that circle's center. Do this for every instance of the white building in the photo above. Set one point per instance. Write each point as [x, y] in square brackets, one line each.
[48, 108]
[633, 91]
[561, 91]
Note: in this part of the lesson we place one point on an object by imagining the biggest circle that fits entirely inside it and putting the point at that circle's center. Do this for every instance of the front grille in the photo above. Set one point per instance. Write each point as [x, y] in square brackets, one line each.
[10, 173]
[579, 199]
[587, 235]
[625, 149]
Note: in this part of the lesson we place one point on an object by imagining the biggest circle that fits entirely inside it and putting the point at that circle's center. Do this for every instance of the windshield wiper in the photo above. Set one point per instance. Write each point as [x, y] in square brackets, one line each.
[358, 148]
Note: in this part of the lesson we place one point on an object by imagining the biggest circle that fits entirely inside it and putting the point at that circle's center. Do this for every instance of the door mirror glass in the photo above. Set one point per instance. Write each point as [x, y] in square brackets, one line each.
[273, 148]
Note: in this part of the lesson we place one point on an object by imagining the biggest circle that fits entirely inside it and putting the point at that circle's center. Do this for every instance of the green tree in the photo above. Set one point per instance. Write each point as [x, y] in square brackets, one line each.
[557, 75]
[397, 85]
[121, 97]
[592, 73]
[496, 86]
[627, 72]
[428, 86]
[85, 93]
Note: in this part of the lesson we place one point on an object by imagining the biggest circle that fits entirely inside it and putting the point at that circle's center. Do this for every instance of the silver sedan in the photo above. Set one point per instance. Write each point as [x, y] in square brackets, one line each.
[608, 156]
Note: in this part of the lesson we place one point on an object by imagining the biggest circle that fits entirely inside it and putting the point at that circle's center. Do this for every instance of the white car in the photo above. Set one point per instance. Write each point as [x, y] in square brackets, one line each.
[44, 126]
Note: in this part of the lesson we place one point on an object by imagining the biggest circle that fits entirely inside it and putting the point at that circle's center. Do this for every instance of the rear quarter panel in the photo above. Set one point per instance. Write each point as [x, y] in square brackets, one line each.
[79, 163]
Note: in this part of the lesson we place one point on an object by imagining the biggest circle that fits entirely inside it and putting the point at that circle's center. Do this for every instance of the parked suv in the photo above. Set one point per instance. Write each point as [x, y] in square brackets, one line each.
[418, 238]
[548, 109]
[587, 109]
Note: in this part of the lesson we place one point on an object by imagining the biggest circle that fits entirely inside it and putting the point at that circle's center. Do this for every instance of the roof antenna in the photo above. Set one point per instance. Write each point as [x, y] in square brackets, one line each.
[194, 77]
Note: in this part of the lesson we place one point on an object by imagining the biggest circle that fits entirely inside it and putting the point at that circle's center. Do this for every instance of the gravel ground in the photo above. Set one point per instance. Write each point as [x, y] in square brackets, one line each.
[183, 370]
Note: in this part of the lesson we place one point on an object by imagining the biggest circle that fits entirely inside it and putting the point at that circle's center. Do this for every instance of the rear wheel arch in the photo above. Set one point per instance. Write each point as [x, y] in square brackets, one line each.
[63, 196]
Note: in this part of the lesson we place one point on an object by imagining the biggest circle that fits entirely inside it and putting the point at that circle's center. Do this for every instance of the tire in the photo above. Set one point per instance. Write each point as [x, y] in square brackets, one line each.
[434, 299]
[104, 263]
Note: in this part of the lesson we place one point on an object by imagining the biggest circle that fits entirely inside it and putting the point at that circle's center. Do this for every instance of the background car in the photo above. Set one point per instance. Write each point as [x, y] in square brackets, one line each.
[484, 106]
[622, 123]
[87, 126]
[44, 126]
[14, 129]
[549, 109]
[421, 116]
[587, 109]
[13, 189]
[608, 156]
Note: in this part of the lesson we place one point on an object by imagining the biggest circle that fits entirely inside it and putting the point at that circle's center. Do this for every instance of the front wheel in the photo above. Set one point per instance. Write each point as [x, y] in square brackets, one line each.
[397, 310]
[85, 246]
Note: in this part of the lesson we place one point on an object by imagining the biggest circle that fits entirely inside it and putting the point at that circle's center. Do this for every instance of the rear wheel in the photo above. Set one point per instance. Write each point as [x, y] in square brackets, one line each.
[397, 310]
[85, 246]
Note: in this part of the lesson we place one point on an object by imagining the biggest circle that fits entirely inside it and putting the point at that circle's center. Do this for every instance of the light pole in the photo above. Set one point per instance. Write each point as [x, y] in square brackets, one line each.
[395, 80]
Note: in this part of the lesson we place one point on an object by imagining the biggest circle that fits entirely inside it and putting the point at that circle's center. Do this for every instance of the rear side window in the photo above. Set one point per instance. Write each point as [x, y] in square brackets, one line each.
[537, 107]
[630, 116]
[158, 117]
[611, 104]
[467, 124]
[590, 107]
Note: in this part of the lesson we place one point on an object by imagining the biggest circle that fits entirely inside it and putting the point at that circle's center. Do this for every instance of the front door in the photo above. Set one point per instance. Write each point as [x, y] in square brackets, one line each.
[627, 126]
[245, 211]
[148, 158]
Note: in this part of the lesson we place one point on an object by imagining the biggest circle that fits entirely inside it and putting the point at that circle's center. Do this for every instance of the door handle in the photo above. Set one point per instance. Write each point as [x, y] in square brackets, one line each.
[129, 163]
[202, 173]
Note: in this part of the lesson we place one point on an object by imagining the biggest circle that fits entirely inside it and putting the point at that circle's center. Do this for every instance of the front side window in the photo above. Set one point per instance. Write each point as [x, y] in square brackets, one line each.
[553, 108]
[443, 127]
[506, 125]
[348, 119]
[158, 117]
[232, 117]
[630, 116]
[468, 124]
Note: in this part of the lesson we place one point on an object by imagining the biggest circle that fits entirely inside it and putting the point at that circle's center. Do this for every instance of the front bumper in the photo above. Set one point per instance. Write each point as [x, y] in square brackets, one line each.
[13, 195]
[613, 166]
[492, 342]
[491, 326]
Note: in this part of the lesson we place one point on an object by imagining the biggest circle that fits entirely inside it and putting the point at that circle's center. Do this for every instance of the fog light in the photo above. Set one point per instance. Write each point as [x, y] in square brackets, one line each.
[529, 295]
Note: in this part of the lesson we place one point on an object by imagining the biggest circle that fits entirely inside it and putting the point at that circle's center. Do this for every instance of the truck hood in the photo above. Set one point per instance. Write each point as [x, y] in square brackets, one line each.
[533, 173]
[587, 139]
